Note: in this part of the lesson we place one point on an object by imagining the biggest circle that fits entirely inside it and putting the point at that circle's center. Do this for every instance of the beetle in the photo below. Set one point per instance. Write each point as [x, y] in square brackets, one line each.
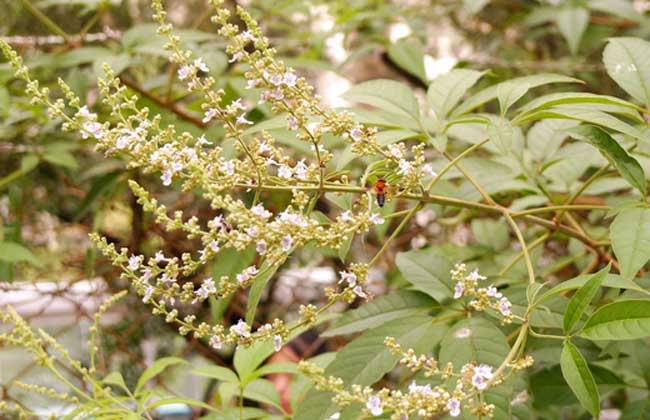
[380, 191]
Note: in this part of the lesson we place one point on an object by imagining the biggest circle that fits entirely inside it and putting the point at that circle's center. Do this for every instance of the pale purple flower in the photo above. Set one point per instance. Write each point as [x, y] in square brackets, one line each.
[376, 219]
[348, 277]
[374, 405]
[453, 405]
[358, 290]
[414, 388]
[209, 115]
[166, 177]
[261, 247]
[276, 94]
[237, 104]
[292, 122]
[241, 329]
[277, 343]
[214, 245]
[493, 292]
[236, 56]
[216, 342]
[199, 64]
[184, 72]
[91, 128]
[285, 172]
[356, 133]
[286, 243]
[289, 79]
[252, 270]
[504, 307]
[395, 151]
[427, 168]
[459, 289]
[260, 211]
[228, 167]
[134, 262]
[148, 293]
[252, 83]
[159, 257]
[252, 231]
[248, 36]
[202, 141]
[346, 216]
[475, 276]
[275, 79]
[404, 166]
[242, 120]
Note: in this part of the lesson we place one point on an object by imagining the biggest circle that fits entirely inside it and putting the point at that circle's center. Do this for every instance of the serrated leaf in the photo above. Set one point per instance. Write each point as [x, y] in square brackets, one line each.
[428, 271]
[577, 374]
[626, 165]
[381, 310]
[216, 372]
[621, 320]
[14, 252]
[627, 61]
[582, 298]
[388, 95]
[408, 53]
[446, 90]
[366, 359]
[156, 369]
[572, 23]
[630, 235]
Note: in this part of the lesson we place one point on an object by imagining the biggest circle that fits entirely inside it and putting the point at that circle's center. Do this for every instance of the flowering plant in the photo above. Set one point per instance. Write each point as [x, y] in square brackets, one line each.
[466, 337]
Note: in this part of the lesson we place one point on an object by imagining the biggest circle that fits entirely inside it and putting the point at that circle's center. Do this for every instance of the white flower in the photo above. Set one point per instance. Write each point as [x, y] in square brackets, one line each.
[358, 290]
[285, 172]
[216, 342]
[346, 216]
[202, 141]
[159, 257]
[427, 168]
[214, 245]
[504, 307]
[374, 405]
[242, 277]
[148, 292]
[242, 119]
[277, 342]
[184, 72]
[85, 114]
[252, 271]
[493, 292]
[286, 243]
[475, 276]
[236, 56]
[252, 83]
[292, 122]
[167, 280]
[348, 277]
[237, 104]
[356, 133]
[301, 169]
[459, 289]
[207, 287]
[124, 140]
[395, 151]
[260, 211]
[241, 329]
[420, 389]
[404, 166]
[91, 128]
[376, 219]
[276, 79]
[134, 262]
[228, 167]
[199, 64]
[335, 416]
[482, 374]
[261, 247]
[289, 79]
[453, 405]
[209, 115]
[276, 94]
[248, 36]
[484, 370]
[166, 177]
[252, 231]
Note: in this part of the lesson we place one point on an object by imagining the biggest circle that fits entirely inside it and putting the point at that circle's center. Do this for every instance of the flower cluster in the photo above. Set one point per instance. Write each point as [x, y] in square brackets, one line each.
[482, 297]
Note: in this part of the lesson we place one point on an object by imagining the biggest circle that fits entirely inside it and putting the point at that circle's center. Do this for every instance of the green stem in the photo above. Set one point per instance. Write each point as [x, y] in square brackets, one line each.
[42, 17]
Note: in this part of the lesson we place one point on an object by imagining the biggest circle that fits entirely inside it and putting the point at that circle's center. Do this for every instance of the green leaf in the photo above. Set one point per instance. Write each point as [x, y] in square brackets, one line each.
[428, 271]
[446, 90]
[510, 92]
[626, 165]
[28, 163]
[611, 280]
[399, 304]
[577, 374]
[60, 158]
[262, 390]
[568, 98]
[491, 233]
[501, 133]
[627, 61]
[14, 252]
[115, 378]
[216, 372]
[156, 369]
[277, 367]
[388, 95]
[582, 298]
[178, 400]
[572, 23]
[4, 101]
[491, 93]
[366, 359]
[636, 410]
[630, 235]
[256, 290]
[408, 53]
[621, 320]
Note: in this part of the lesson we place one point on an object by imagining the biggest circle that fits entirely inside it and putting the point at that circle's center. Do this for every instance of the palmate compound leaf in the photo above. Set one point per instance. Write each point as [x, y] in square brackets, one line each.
[366, 359]
[630, 235]
[577, 374]
[622, 320]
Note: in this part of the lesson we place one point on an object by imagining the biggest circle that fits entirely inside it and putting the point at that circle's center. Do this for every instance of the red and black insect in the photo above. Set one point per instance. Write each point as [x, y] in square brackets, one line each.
[380, 191]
